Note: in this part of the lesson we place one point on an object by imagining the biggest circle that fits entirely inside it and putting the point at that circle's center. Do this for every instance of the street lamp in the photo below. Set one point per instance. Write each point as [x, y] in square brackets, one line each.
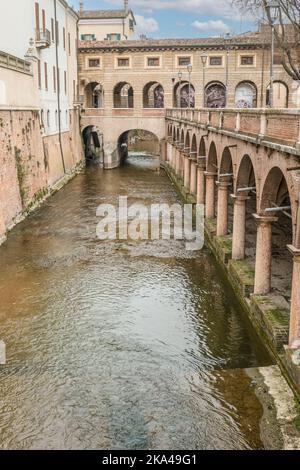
[204, 58]
[272, 9]
[227, 38]
[189, 69]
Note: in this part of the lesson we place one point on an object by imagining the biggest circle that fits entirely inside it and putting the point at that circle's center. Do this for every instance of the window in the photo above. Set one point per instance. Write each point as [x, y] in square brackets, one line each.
[153, 62]
[48, 118]
[64, 38]
[65, 81]
[54, 79]
[247, 60]
[39, 74]
[184, 61]
[94, 63]
[52, 30]
[131, 24]
[216, 61]
[46, 76]
[57, 32]
[114, 37]
[88, 37]
[123, 62]
[44, 20]
[69, 43]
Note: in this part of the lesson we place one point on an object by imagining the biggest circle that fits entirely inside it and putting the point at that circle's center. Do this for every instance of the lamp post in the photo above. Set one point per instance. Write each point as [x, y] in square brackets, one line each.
[204, 58]
[272, 9]
[180, 79]
[190, 69]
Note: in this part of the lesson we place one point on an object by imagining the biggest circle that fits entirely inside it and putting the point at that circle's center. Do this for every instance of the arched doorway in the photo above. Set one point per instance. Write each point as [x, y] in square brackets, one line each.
[280, 95]
[246, 95]
[215, 95]
[184, 95]
[153, 95]
[123, 95]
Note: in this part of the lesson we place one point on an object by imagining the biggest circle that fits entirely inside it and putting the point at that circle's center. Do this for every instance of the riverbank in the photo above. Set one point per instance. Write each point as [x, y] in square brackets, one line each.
[269, 321]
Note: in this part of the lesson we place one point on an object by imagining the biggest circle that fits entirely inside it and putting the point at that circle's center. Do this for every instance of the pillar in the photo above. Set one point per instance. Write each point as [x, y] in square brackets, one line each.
[263, 258]
[177, 162]
[222, 214]
[210, 195]
[187, 171]
[239, 227]
[193, 181]
[294, 338]
[200, 184]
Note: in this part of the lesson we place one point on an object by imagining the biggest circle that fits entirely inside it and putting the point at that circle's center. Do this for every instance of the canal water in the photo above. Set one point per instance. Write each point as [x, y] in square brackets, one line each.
[120, 345]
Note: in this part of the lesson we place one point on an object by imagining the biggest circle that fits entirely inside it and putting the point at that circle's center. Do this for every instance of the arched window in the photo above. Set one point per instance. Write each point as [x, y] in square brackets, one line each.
[123, 95]
[246, 95]
[184, 95]
[153, 95]
[280, 95]
[94, 95]
[215, 95]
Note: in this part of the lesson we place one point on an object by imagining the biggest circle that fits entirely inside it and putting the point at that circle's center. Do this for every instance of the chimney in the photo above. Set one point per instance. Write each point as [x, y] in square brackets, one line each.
[81, 7]
[126, 6]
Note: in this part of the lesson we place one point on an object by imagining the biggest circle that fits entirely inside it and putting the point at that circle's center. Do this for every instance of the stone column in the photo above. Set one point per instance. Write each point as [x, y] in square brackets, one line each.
[294, 340]
[222, 215]
[193, 182]
[200, 184]
[177, 162]
[210, 195]
[187, 171]
[263, 258]
[239, 227]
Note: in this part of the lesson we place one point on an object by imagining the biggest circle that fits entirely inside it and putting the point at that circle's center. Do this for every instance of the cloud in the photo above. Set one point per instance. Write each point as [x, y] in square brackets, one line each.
[211, 26]
[146, 25]
[218, 8]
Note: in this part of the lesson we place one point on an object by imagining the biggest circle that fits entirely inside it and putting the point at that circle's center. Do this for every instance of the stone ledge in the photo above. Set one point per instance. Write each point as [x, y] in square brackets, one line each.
[242, 274]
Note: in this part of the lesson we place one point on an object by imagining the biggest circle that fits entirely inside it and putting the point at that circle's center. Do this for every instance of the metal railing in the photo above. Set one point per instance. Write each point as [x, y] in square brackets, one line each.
[43, 38]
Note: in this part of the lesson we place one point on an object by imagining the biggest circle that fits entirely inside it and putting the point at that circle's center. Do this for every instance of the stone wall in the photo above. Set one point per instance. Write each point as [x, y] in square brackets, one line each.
[30, 164]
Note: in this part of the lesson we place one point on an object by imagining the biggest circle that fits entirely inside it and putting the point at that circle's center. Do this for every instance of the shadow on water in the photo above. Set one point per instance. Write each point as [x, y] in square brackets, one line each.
[120, 344]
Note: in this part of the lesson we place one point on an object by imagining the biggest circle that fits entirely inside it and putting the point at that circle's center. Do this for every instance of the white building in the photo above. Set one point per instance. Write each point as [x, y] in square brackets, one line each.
[106, 25]
[52, 24]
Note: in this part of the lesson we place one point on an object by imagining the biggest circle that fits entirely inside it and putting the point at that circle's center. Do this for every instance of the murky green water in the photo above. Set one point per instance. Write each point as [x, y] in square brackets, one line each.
[119, 345]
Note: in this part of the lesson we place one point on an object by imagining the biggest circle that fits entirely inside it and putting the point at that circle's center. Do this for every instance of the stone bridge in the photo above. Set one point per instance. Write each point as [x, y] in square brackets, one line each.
[244, 165]
[113, 125]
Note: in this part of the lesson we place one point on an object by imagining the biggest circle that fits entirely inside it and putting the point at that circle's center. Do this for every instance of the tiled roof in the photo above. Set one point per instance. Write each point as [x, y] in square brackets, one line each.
[255, 39]
[99, 14]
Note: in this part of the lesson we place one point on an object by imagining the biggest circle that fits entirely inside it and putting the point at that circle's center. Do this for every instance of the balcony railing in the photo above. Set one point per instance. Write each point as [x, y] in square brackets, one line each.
[11, 62]
[280, 126]
[43, 38]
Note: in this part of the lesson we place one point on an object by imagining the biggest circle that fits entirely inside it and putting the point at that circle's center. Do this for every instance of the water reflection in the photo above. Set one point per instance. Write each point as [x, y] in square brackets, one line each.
[119, 344]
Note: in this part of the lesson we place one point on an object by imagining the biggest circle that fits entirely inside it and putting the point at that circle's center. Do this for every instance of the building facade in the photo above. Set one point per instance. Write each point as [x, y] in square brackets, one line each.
[106, 25]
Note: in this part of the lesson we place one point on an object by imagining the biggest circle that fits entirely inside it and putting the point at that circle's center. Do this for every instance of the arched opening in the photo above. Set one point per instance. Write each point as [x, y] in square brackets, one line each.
[182, 137]
[280, 95]
[123, 95]
[153, 95]
[225, 188]
[202, 148]
[187, 144]
[93, 145]
[94, 95]
[276, 195]
[215, 95]
[246, 95]
[211, 193]
[138, 143]
[194, 152]
[246, 192]
[184, 95]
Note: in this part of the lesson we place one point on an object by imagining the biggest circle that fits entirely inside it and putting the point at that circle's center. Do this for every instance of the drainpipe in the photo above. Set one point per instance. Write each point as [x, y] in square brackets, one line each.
[58, 88]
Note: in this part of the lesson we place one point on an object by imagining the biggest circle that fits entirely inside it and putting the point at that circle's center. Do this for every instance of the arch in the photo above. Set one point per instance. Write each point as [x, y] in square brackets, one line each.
[212, 160]
[123, 95]
[182, 136]
[280, 94]
[202, 148]
[275, 190]
[91, 141]
[226, 165]
[178, 135]
[94, 95]
[153, 95]
[187, 142]
[215, 95]
[246, 95]
[246, 175]
[194, 145]
[181, 96]
[128, 139]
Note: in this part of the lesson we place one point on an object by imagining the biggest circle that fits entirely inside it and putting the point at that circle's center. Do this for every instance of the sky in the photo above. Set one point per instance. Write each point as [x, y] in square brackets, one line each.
[180, 19]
